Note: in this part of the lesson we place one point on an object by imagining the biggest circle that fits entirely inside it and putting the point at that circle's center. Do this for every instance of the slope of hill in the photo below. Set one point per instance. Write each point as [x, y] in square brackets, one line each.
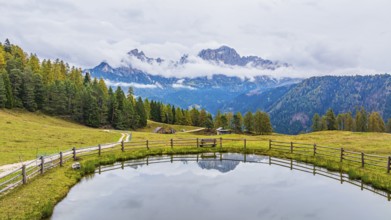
[25, 135]
[294, 111]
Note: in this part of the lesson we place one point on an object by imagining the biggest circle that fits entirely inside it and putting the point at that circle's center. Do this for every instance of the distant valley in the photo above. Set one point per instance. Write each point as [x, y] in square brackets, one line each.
[291, 102]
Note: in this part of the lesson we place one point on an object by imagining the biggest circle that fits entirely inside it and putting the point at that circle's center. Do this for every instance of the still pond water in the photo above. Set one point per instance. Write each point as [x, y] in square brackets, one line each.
[194, 187]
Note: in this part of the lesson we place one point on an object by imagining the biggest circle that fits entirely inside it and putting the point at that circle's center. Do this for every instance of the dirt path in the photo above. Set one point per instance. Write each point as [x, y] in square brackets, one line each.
[195, 130]
[9, 168]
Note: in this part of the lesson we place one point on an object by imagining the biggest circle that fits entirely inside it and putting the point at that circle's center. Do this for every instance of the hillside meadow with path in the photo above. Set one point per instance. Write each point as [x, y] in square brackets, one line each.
[37, 198]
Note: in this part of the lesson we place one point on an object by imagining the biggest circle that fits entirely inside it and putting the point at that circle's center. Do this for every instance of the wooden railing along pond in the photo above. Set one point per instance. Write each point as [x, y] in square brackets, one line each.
[30, 169]
[338, 154]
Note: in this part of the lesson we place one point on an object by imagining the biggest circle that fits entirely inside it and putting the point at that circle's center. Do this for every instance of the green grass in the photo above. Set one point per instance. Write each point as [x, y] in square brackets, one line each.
[375, 143]
[37, 199]
[22, 132]
[25, 135]
[152, 125]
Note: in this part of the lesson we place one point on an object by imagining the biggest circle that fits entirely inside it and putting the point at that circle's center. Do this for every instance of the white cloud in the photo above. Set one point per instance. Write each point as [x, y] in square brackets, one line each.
[317, 37]
[135, 85]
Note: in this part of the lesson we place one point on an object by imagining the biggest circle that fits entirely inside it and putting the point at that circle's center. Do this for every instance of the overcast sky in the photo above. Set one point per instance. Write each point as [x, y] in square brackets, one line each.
[315, 36]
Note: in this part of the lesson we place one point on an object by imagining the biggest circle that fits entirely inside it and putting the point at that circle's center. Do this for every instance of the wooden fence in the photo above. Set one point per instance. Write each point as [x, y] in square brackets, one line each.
[338, 154]
[30, 169]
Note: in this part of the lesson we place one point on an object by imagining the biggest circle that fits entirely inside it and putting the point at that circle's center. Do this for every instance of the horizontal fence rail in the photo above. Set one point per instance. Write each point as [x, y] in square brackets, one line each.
[28, 170]
[332, 153]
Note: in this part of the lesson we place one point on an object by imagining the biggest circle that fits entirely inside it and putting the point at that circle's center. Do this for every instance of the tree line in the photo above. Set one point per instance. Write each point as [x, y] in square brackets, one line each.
[257, 123]
[55, 88]
[362, 121]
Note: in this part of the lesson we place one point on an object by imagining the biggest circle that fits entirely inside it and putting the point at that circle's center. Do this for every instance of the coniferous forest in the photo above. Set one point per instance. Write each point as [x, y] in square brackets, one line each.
[55, 88]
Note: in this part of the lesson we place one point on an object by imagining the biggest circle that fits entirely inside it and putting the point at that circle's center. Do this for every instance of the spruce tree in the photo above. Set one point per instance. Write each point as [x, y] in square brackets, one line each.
[15, 77]
[249, 122]
[27, 93]
[376, 123]
[388, 126]
[361, 120]
[8, 90]
[316, 123]
[258, 122]
[3, 97]
[140, 110]
[217, 122]
[349, 123]
[237, 122]
[266, 126]
[330, 120]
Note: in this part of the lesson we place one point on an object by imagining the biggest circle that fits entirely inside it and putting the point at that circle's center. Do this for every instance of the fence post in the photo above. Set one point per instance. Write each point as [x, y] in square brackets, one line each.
[198, 143]
[172, 143]
[270, 144]
[99, 150]
[291, 147]
[24, 174]
[342, 150]
[61, 160]
[221, 142]
[147, 142]
[74, 153]
[42, 164]
[314, 150]
[122, 146]
[362, 160]
[245, 143]
[389, 164]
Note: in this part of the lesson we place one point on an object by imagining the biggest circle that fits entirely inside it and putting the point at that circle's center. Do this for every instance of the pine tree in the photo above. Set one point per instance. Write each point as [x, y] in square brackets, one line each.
[202, 118]
[388, 126]
[8, 90]
[266, 126]
[349, 123]
[376, 123]
[112, 106]
[195, 114]
[141, 113]
[3, 97]
[217, 123]
[248, 122]
[33, 64]
[230, 117]
[209, 121]
[147, 107]
[39, 91]
[258, 122]
[361, 120]
[87, 79]
[237, 122]
[2, 60]
[316, 123]
[330, 120]
[224, 121]
[90, 109]
[27, 93]
[16, 83]
[7, 46]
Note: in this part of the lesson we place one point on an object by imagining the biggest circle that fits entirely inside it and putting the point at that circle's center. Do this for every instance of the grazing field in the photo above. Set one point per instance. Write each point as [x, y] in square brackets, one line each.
[25, 135]
[22, 133]
[152, 125]
[375, 143]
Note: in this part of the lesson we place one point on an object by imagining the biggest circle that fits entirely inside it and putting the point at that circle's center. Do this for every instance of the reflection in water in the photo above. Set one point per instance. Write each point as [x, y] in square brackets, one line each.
[228, 186]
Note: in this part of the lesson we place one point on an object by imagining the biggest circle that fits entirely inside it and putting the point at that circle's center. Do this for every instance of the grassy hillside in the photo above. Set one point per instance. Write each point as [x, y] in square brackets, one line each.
[24, 135]
[378, 143]
[152, 125]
